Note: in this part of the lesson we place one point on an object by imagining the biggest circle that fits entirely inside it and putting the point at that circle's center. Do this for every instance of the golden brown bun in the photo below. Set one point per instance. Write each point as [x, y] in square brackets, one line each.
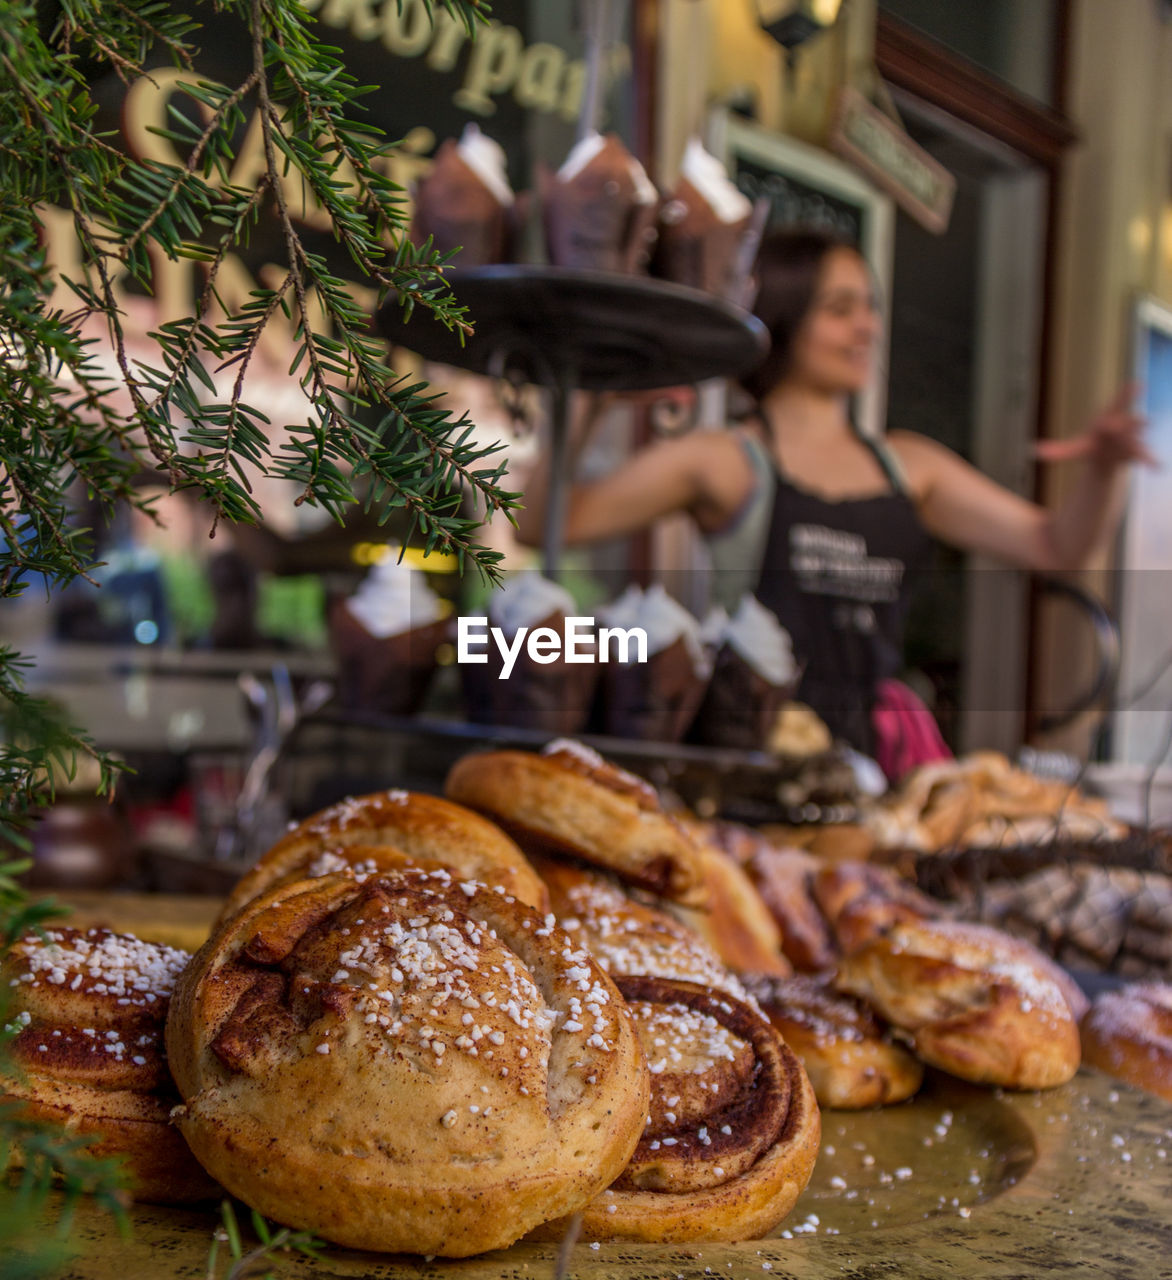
[784, 879]
[983, 800]
[1128, 1034]
[736, 923]
[629, 938]
[734, 1126]
[570, 800]
[833, 841]
[415, 1063]
[860, 901]
[850, 1060]
[381, 831]
[973, 1001]
[91, 1005]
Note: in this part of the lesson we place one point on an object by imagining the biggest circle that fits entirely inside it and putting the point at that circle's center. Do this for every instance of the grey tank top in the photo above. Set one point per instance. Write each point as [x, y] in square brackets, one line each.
[736, 550]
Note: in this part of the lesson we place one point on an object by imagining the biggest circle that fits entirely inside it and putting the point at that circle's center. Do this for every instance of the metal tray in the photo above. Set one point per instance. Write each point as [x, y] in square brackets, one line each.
[959, 1182]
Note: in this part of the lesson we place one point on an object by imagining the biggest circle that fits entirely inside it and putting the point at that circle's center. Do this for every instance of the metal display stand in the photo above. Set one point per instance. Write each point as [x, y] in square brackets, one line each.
[566, 330]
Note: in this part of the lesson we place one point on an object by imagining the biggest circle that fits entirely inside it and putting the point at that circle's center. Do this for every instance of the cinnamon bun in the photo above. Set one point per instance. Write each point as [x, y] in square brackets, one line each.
[88, 1008]
[415, 1063]
[568, 799]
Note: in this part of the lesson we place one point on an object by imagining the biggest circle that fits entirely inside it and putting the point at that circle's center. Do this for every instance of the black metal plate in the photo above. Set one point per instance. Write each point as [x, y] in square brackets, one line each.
[584, 329]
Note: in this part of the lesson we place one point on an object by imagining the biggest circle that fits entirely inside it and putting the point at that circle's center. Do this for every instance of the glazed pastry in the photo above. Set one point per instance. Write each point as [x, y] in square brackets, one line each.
[735, 922]
[415, 1063]
[733, 1130]
[784, 879]
[629, 938]
[860, 901]
[1128, 1034]
[984, 800]
[974, 1002]
[850, 1058]
[383, 832]
[568, 799]
[90, 1005]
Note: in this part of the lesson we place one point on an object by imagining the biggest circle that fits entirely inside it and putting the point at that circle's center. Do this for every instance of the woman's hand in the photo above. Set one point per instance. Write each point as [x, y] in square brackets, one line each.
[1114, 438]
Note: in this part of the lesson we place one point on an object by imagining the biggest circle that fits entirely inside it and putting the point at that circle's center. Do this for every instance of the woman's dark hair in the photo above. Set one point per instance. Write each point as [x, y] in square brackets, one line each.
[786, 270]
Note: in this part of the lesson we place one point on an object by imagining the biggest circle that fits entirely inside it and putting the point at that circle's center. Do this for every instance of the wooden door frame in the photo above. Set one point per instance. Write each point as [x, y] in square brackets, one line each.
[1043, 135]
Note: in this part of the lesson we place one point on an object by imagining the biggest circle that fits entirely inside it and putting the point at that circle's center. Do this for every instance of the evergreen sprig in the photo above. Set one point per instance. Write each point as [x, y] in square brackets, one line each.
[272, 1246]
[74, 426]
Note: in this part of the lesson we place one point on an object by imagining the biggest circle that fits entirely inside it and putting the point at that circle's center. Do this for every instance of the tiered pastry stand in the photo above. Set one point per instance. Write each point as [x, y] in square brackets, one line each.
[567, 330]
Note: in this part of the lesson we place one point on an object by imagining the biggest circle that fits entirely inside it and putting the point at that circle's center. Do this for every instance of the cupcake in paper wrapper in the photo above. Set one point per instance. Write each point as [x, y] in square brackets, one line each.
[654, 700]
[554, 697]
[599, 210]
[385, 639]
[708, 229]
[465, 202]
[753, 676]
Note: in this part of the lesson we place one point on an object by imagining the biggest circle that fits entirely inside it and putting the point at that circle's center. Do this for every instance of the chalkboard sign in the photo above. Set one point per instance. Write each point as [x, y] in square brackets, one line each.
[810, 188]
[794, 203]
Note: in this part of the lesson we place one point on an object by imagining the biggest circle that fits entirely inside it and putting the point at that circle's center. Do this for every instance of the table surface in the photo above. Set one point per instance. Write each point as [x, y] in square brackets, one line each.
[961, 1181]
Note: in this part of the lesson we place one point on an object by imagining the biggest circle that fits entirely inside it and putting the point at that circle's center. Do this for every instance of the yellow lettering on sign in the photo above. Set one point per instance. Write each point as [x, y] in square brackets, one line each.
[539, 84]
[541, 76]
[449, 40]
[145, 109]
[492, 68]
[406, 28]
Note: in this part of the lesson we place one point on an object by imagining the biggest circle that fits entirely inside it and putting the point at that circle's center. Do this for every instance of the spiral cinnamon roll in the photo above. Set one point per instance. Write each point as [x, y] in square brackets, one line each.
[626, 937]
[88, 1008]
[733, 1129]
[415, 1063]
[850, 1058]
[859, 901]
[568, 799]
[386, 831]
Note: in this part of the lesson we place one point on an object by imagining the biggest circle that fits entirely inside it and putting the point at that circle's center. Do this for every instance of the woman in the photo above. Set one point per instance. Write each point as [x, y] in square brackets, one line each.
[827, 526]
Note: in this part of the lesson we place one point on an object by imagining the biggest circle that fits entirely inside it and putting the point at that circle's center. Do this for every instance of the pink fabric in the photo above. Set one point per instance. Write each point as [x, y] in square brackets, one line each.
[906, 734]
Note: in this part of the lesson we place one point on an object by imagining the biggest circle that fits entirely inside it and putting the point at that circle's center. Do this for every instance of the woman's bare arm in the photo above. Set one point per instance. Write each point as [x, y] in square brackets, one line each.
[962, 506]
[697, 473]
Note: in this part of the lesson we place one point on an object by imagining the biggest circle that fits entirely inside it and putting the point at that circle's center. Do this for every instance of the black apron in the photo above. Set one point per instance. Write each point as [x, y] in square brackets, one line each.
[839, 576]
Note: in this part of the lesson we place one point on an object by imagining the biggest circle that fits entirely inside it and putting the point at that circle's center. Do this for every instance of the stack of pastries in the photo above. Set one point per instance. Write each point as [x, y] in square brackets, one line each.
[438, 1025]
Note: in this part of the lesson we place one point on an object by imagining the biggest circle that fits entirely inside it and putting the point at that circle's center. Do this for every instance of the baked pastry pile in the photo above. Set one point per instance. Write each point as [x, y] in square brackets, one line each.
[437, 1025]
[982, 800]
[968, 999]
[732, 1133]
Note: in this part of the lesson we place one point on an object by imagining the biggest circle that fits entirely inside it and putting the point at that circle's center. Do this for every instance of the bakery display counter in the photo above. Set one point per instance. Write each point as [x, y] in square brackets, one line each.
[750, 786]
[960, 1181]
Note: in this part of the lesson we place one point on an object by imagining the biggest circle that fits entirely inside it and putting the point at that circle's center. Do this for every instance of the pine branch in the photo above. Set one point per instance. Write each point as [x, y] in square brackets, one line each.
[368, 436]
